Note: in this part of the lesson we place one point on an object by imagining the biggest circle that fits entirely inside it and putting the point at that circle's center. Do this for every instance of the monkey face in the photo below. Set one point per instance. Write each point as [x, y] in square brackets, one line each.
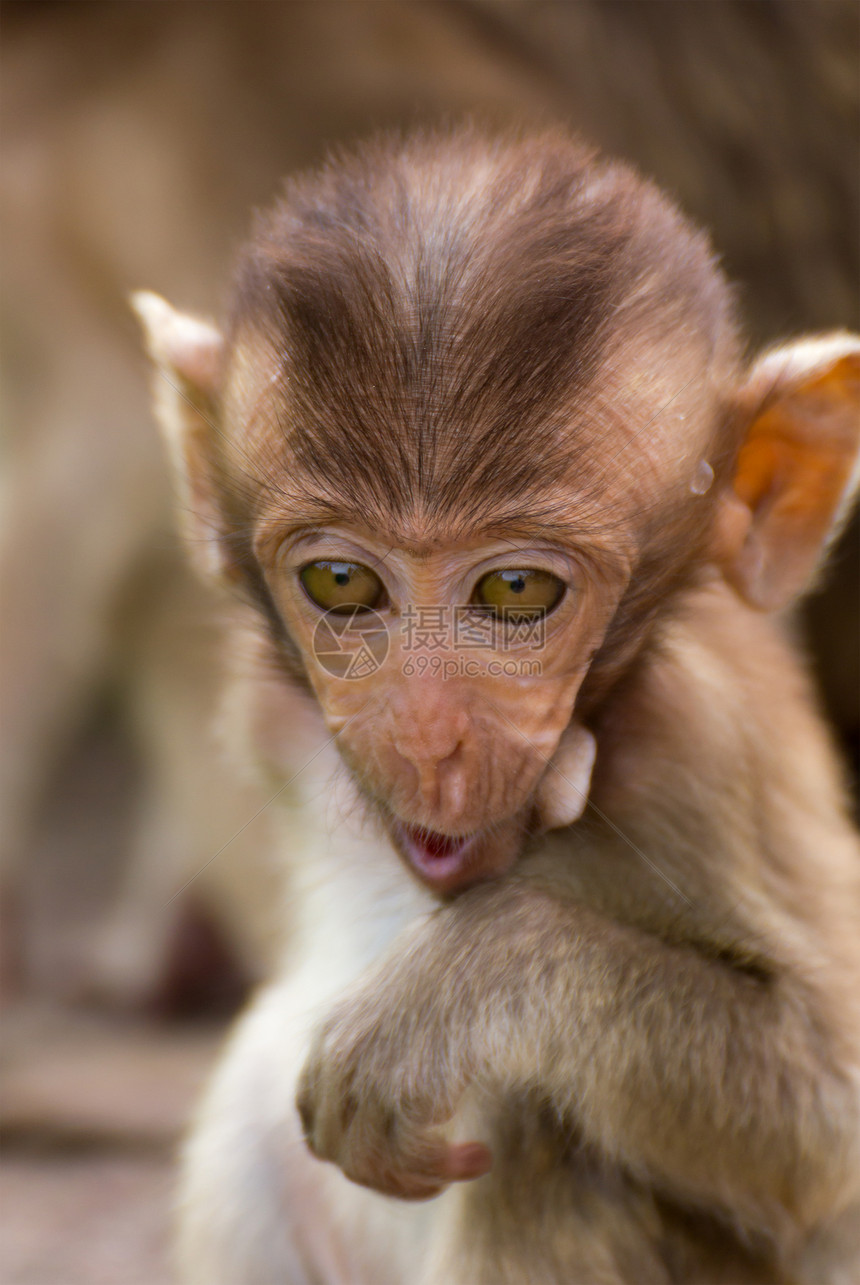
[446, 447]
[449, 671]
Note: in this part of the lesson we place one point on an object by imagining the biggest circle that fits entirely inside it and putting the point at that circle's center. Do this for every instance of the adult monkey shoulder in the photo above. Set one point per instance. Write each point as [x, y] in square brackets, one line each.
[505, 376]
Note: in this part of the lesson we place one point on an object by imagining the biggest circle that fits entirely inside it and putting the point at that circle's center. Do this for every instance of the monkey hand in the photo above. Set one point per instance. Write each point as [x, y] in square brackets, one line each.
[385, 1071]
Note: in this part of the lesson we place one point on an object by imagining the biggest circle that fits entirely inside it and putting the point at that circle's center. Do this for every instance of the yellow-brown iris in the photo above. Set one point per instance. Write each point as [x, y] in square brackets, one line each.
[519, 592]
[340, 587]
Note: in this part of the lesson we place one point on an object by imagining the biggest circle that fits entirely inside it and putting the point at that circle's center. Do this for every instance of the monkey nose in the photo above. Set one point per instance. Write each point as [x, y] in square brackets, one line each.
[455, 792]
[441, 789]
[441, 781]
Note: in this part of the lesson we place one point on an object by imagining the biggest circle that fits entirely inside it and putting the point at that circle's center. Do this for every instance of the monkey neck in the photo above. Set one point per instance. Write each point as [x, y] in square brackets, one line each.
[349, 893]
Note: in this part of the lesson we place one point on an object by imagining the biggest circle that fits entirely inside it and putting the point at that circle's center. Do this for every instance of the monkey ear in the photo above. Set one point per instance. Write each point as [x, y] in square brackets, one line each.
[797, 470]
[187, 356]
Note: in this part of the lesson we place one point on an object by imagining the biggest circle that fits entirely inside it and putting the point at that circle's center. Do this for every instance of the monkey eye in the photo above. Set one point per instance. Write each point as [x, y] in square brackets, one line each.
[342, 586]
[517, 593]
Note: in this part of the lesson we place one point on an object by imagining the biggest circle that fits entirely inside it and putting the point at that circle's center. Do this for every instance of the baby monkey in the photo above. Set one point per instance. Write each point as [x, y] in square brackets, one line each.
[518, 523]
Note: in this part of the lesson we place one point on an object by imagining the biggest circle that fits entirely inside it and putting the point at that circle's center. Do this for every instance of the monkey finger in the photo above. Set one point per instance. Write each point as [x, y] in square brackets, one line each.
[402, 1185]
[459, 1163]
[467, 1160]
[381, 1153]
[427, 1157]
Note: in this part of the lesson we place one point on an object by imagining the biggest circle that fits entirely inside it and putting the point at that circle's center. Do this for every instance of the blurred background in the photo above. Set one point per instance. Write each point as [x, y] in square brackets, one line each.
[136, 136]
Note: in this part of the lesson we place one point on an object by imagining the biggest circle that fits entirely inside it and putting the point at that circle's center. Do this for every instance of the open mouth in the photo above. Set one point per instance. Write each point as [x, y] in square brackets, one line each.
[442, 860]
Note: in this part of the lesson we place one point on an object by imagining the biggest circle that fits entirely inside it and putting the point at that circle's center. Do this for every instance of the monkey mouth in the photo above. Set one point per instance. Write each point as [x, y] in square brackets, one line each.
[441, 860]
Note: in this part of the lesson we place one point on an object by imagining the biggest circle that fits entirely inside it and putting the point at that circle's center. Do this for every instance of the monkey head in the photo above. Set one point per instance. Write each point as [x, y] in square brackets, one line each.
[476, 421]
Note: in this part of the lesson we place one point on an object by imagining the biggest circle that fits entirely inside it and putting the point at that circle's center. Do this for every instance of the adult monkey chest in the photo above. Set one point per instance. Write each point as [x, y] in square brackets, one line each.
[577, 986]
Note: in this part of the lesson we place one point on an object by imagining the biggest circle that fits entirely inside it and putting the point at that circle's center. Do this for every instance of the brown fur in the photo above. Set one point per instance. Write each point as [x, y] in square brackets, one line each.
[435, 343]
[444, 312]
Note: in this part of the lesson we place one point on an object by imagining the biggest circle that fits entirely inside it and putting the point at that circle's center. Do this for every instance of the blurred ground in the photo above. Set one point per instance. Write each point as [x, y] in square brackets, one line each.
[95, 1220]
[91, 1109]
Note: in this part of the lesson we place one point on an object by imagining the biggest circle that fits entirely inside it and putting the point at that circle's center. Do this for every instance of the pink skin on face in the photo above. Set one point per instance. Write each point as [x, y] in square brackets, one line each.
[456, 760]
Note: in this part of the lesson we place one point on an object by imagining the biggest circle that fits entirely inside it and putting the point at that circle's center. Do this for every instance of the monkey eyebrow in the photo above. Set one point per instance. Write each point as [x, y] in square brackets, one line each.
[525, 526]
[652, 865]
[318, 528]
[518, 526]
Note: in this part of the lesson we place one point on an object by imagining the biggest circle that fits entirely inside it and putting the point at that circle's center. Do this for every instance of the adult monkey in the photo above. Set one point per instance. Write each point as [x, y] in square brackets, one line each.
[460, 370]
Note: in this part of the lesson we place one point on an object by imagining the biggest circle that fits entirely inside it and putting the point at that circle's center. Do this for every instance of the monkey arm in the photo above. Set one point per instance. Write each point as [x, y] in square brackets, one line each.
[723, 1084]
[718, 1084]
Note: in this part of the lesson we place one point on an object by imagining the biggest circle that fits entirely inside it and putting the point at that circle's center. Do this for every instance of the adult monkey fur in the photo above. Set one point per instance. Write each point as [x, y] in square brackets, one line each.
[454, 364]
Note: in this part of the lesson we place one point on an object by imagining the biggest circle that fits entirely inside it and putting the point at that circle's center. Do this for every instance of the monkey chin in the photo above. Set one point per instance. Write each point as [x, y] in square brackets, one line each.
[451, 863]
